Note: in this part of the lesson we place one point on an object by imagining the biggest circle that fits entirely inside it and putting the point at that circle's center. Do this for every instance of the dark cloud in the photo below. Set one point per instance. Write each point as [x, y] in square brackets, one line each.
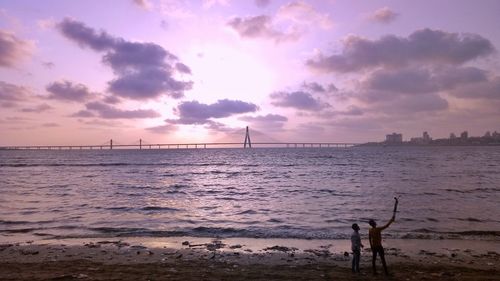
[422, 80]
[148, 83]
[144, 70]
[450, 78]
[12, 94]
[422, 46]
[109, 112]
[299, 100]
[112, 100]
[415, 104]
[162, 129]
[482, 90]
[87, 37]
[182, 68]
[37, 109]
[269, 121]
[315, 87]
[83, 114]
[193, 112]
[384, 15]
[260, 27]
[262, 3]
[67, 91]
[12, 49]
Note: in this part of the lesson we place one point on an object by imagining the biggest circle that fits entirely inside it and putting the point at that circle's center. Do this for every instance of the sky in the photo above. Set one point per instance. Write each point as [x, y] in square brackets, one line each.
[169, 71]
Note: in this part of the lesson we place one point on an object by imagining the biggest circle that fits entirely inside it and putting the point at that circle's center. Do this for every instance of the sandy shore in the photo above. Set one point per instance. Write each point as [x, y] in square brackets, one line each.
[188, 258]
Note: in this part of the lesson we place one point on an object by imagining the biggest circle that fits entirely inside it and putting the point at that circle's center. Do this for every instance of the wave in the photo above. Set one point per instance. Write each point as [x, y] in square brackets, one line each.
[279, 231]
[158, 208]
[112, 164]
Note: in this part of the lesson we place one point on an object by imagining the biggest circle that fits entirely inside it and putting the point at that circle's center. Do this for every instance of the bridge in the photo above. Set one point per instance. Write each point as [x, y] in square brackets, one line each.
[142, 145]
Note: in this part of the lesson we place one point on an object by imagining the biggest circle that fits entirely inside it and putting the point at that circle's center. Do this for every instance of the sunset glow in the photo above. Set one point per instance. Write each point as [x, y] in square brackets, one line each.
[84, 72]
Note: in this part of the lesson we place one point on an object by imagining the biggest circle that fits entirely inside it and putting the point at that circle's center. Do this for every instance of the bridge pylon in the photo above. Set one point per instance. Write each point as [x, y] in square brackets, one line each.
[247, 140]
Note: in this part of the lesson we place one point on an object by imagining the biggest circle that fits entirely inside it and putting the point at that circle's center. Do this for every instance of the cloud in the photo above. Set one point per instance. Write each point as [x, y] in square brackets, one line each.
[144, 70]
[384, 15]
[110, 112]
[290, 23]
[37, 109]
[85, 36]
[12, 93]
[351, 110]
[112, 100]
[48, 64]
[176, 9]
[83, 114]
[261, 27]
[145, 4]
[67, 91]
[269, 121]
[102, 123]
[314, 87]
[182, 68]
[50, 125]
[207, 4]
[318, 88]
[422, 80]
[406, 105]
[148, 83]
[162, 129]
[193, 112]
[299, 100]
[12, 49]
[303, 13]
[422, 46]
[489, 89]
[262, 3]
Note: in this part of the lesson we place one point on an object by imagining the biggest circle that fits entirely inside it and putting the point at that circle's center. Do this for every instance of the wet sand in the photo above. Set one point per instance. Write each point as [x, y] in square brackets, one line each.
[187, 258]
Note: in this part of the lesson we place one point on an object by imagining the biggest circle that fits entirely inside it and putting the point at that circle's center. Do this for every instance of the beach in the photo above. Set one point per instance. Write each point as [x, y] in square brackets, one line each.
[194, 258]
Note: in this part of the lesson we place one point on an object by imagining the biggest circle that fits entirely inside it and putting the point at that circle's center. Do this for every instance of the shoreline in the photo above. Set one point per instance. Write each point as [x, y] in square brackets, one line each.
[193, 258]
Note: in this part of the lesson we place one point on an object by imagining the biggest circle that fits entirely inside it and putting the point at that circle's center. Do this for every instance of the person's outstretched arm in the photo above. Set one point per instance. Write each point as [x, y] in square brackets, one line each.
[389, 223]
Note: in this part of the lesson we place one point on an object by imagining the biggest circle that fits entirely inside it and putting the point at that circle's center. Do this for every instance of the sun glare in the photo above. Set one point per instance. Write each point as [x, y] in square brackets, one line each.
[234, 74]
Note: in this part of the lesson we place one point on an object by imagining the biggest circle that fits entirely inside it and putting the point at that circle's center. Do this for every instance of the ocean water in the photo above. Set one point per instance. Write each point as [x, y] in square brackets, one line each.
[311, 193]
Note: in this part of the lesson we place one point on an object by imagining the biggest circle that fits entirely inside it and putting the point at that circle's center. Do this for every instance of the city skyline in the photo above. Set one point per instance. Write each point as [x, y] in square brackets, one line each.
[83, 72]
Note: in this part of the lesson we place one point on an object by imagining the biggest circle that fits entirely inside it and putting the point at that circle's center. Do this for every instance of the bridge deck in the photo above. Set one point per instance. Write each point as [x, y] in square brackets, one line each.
[182, 145]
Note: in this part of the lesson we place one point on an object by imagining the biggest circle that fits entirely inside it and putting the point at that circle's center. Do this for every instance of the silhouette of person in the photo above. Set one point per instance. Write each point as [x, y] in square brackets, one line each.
[356, 246]
[375, 238]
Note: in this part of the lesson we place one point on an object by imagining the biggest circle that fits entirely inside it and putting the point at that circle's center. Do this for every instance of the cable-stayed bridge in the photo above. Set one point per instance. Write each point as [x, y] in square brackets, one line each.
[227, 143]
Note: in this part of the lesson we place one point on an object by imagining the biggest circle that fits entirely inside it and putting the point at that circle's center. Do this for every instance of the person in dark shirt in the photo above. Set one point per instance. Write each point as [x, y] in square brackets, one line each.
[375, 238]
[356, 246]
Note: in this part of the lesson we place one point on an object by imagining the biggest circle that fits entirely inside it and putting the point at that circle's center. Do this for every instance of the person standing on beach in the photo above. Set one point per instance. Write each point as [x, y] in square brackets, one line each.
[356, 246]
[375, 238]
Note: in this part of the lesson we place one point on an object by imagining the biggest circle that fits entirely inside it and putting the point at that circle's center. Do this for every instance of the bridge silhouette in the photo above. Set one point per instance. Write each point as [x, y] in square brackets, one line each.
[219, 144]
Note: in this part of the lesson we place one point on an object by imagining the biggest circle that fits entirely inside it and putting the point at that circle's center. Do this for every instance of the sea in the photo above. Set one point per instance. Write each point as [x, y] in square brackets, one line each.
[304, 193]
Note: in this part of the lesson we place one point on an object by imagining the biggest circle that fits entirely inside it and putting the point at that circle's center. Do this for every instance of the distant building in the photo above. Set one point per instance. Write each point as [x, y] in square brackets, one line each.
[464, 135]
[394, 138]
[496, 135]
[487, 134]
[426, 137]
[453, 136]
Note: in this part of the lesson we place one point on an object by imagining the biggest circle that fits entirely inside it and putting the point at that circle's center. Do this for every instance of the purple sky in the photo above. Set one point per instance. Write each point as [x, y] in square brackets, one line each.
[83, 72]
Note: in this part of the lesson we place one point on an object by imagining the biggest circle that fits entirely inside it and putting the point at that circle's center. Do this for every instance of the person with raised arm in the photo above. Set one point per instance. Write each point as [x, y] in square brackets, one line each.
[375, 238]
